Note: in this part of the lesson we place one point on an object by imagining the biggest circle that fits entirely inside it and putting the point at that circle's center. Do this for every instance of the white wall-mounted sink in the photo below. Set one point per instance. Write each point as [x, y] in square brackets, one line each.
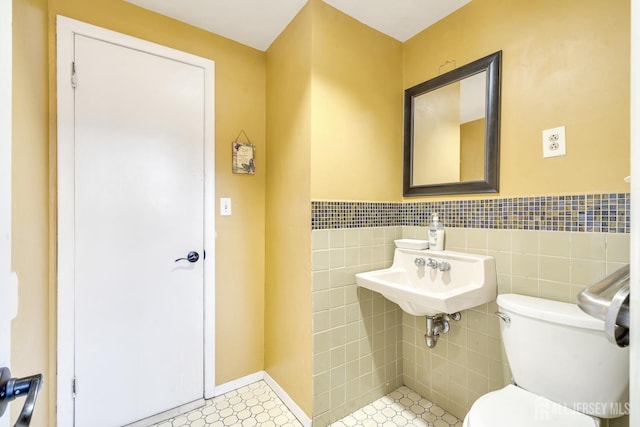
[454, 282]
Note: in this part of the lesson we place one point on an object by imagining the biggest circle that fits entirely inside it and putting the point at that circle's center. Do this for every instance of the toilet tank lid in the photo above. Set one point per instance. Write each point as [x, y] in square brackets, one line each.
[548, 310]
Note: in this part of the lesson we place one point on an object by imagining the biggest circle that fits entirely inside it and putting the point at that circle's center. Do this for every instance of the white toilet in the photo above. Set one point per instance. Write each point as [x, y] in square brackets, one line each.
[567, 374]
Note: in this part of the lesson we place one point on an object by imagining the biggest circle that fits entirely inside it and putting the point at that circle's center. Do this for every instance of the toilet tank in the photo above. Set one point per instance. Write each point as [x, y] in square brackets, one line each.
[557, 351]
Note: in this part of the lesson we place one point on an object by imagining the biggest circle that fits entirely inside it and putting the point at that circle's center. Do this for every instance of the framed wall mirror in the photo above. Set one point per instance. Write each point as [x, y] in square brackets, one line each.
[452, 131]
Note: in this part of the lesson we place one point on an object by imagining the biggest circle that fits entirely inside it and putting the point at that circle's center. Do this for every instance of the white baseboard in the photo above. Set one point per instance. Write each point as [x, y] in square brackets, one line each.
[238, 383]
[279, 391]
[288, 401]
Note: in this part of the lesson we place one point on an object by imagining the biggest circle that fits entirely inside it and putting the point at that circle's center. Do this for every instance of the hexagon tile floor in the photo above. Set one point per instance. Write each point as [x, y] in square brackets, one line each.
[258, 405]
[402, 407]
[252, 405]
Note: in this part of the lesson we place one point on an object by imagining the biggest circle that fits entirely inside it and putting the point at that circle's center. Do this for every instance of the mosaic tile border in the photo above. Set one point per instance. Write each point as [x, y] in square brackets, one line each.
[609, 213]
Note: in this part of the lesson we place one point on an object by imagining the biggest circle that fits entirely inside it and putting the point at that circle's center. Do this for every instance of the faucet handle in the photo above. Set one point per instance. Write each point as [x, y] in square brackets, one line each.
[419, 262]
[444, 266]
[432, 263]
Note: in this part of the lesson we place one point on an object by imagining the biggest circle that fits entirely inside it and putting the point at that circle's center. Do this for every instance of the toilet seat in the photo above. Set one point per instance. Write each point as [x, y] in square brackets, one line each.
[513, 406]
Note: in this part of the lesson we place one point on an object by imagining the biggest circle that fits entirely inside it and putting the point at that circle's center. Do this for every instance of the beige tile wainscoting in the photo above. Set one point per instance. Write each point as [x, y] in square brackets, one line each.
[357, 334]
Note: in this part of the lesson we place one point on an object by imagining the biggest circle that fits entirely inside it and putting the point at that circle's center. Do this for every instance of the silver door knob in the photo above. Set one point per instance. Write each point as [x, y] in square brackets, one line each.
[191, 257]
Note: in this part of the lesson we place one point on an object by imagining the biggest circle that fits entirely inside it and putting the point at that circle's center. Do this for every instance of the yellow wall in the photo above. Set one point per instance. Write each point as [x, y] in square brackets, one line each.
[30, 201]
[288, 241]
[356, 143]
[472, 150]
[564, 63]
[334, 114]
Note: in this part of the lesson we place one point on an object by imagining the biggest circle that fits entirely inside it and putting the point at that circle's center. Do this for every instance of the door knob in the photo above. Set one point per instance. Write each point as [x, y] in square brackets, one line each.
[11, 388]
[191, 257]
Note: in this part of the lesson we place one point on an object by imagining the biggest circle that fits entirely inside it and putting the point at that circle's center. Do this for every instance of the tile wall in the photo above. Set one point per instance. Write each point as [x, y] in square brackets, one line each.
[365, 346]
[357, 334]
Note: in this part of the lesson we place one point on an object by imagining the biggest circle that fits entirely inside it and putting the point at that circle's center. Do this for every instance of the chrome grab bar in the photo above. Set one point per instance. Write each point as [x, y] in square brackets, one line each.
[613, 310]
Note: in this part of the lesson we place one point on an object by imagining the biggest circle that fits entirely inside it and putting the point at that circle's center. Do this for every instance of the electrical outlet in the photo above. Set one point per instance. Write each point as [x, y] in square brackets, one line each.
[554, 142]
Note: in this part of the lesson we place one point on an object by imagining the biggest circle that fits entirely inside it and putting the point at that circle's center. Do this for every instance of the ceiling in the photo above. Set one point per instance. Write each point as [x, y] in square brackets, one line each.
[257, 23]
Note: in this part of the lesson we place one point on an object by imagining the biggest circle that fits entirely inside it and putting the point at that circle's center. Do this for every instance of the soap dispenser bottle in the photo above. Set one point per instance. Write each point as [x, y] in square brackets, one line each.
[436, 234]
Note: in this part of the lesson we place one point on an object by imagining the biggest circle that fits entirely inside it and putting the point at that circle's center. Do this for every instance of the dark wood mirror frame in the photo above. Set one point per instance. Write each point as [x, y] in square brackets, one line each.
[492, 65]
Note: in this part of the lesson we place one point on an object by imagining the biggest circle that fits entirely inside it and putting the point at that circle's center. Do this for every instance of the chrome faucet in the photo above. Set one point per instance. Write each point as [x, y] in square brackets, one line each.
[433, 264]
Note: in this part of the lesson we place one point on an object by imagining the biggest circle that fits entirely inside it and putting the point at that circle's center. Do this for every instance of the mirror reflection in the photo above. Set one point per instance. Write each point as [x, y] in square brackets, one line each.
[451, 131]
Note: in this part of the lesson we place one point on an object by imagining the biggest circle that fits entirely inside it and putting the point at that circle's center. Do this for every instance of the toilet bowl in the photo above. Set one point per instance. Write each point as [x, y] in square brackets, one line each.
[512, 406]
[566, 371]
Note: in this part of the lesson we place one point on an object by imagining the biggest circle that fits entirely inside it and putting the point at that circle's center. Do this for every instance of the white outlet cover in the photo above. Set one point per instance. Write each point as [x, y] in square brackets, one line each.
[554, 142]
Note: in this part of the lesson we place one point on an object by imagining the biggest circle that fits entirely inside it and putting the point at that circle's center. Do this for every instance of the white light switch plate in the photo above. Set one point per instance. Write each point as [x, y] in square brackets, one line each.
[225, 206]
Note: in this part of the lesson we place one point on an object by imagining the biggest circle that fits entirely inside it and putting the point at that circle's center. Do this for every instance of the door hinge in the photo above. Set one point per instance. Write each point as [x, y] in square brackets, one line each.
[74, 78]
[74, 387]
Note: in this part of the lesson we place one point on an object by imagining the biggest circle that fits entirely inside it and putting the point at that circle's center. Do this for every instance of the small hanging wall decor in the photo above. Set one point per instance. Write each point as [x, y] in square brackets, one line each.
[244, 155]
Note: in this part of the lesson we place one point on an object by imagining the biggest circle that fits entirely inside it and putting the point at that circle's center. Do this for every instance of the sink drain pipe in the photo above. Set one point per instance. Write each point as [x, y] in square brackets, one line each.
[438, 324]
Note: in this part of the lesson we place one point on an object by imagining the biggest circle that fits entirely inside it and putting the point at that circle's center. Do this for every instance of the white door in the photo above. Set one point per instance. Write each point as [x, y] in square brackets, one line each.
[5, 188]
[139, 138]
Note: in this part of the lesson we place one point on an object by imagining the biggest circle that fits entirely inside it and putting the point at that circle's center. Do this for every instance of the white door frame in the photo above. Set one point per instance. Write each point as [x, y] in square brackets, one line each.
[5, 186]
[66, 29]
